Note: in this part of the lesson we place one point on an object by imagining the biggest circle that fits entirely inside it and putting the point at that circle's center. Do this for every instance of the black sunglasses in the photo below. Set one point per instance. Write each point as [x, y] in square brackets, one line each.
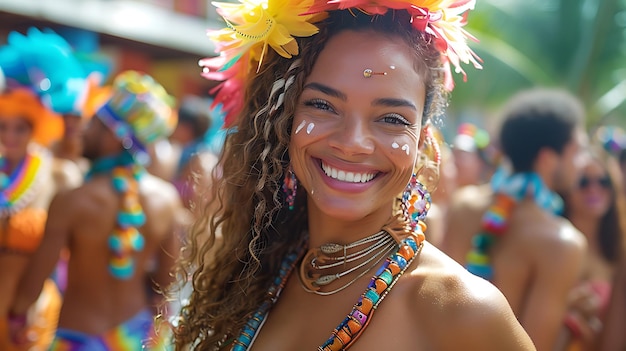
[585, 182]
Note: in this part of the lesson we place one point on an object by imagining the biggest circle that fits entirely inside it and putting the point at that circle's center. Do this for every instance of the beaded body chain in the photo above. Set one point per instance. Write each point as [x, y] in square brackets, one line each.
[249, 331]
[508, 191]
[125, 238]
[18, 188]
[347, 332]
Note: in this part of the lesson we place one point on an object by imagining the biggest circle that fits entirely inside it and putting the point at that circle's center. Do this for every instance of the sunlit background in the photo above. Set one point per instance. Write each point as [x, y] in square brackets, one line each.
[575, 44]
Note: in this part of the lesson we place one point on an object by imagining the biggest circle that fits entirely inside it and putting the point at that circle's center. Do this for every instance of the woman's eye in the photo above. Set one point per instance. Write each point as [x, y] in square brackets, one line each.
[319, 104]
[395, 119]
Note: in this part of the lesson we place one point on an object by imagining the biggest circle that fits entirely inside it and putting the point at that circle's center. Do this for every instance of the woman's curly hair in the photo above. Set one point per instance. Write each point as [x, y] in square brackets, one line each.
[249, 227]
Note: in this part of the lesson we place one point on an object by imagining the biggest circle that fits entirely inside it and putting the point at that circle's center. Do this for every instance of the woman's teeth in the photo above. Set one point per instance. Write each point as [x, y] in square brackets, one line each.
[350, 177]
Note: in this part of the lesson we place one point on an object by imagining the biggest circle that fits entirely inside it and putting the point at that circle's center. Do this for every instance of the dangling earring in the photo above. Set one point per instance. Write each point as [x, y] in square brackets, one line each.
[290, 186]
[416, 202]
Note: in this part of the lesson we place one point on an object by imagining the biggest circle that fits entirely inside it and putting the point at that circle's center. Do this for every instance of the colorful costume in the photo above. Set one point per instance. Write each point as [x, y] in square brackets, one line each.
[138, 112]
[23, 226]
[22, 236]
[46, 63]
[128, 336]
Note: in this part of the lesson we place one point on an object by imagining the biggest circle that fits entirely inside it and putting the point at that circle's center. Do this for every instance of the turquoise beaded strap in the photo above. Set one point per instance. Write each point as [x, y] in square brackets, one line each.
[508, 190]
[250, 329]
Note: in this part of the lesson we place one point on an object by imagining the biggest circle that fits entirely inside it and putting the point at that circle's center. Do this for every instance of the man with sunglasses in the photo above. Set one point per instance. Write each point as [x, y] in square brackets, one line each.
[510, 231]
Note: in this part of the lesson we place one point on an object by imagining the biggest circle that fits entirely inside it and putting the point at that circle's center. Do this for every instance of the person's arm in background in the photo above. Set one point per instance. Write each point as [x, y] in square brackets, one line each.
[44, 259]
[613, 336]
[558, 270]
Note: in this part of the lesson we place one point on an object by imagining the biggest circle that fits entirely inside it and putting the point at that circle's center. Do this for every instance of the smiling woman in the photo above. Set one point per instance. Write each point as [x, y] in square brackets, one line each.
[596, 207]
[318, 223]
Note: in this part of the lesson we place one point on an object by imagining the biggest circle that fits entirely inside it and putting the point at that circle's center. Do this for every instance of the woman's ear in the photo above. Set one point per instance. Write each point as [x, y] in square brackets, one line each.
[422, 138]
[428, 143]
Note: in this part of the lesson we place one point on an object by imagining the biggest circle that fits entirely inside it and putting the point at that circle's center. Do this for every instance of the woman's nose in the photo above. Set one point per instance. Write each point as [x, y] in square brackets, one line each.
[353, 137]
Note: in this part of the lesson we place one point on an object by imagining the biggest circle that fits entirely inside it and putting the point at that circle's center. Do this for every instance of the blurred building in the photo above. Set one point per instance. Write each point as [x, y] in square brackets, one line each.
[164, 38]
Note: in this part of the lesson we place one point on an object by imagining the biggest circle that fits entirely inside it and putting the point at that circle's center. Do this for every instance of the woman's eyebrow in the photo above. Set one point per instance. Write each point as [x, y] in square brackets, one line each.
[326, 90]
[392, 102]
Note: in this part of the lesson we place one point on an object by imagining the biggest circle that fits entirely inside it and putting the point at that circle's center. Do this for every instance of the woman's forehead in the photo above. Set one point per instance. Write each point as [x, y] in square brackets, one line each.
[366, 61]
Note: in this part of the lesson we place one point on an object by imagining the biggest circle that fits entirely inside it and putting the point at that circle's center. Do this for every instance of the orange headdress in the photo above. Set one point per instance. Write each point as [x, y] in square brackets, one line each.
[21, 103]
[95, 97]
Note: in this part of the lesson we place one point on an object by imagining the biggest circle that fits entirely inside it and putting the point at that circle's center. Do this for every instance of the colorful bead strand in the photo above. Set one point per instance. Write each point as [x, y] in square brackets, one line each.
[508, 191]
[250, 329]
[494, 224]
[385, 278]
[416, 202]
[18, 188]
[125, 239]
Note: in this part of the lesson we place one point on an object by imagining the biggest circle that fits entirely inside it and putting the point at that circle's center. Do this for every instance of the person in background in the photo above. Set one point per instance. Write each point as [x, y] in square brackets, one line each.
[70, 147]
[474, 155]
[27, 185]
[510, 232]
[196, 159]
[596, 208]
[119, 227]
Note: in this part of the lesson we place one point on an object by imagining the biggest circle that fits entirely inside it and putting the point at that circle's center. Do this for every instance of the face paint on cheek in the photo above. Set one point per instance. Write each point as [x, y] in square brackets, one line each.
[395, 145]
[300, 126]
[405, 148]
[310, 127]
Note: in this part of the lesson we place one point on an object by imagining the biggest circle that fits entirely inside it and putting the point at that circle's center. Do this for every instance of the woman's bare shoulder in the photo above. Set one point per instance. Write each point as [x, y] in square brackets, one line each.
[455, 301]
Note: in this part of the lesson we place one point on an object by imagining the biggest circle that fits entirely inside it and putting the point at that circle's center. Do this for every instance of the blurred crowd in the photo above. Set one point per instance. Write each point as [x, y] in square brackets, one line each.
[101, 180]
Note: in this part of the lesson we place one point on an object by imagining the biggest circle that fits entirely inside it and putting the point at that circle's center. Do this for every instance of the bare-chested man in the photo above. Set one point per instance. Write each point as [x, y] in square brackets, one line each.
[508, 231]
[117, 226]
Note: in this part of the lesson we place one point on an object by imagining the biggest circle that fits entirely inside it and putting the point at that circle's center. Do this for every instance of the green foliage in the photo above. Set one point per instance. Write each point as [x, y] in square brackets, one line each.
[574, 44]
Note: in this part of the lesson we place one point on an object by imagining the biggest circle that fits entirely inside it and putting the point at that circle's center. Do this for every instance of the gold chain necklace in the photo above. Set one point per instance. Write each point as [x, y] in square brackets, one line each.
[313, 270]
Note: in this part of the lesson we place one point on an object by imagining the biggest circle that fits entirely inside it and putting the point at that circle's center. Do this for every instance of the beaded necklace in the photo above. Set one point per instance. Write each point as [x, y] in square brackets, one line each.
[348, 331]
[20, 186]
[125, 238]
[508, 191]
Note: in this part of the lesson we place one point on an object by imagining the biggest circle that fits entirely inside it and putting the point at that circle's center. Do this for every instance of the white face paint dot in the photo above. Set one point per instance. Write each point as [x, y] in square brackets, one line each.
[392, 67]
[300, 126]
[405, 147]
[310, 127]
[395, 145]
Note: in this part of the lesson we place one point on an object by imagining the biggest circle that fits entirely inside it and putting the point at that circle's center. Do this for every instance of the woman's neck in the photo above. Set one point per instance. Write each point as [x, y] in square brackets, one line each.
[324, 228]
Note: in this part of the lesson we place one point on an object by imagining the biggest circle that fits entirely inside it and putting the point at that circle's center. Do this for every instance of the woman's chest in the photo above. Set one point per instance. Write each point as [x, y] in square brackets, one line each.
[304, 321]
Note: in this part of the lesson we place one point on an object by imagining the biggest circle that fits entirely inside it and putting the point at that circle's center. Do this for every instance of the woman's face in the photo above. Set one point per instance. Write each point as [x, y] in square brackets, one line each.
[15, 134]
[593, 195]
[354, 139]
